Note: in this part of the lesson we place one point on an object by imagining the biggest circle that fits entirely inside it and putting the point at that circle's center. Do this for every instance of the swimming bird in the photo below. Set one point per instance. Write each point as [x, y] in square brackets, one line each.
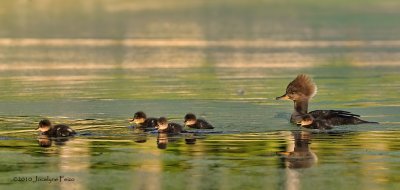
[192, 122]
[141, 121]
[300, 91]
[60, 130]
[308, 121]
[166, 127]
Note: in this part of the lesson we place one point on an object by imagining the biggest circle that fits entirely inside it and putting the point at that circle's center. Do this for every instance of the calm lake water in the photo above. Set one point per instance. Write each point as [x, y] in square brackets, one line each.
[93, 64]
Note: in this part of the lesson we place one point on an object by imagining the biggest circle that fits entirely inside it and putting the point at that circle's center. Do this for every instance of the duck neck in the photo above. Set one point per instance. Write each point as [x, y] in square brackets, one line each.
[301, 106]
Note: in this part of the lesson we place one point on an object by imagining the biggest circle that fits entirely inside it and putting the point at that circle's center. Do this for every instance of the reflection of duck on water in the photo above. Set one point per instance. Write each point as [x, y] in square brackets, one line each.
[162, 140]
[301, 90]
[44, 141]
[299, 154]
[60, 130]
[190, 139]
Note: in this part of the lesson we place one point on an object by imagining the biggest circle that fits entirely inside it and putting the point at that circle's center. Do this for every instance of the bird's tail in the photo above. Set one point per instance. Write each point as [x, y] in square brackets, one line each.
[367, 122]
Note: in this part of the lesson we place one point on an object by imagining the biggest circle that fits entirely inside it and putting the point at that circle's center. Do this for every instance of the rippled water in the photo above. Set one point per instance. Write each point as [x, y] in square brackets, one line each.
[92, 64]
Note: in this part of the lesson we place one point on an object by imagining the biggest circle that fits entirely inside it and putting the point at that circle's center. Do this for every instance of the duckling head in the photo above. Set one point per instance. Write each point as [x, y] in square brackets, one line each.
[301, 88]
[139, 117]
[162, 123]
[44, 125]
[306, 119]
[190, 119]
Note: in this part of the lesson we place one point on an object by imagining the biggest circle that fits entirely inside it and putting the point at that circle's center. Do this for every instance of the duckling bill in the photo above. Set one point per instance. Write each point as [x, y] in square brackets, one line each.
[300, 91]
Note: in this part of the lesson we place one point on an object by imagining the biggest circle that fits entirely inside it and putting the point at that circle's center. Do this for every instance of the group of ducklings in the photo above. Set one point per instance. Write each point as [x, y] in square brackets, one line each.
[162, 125]
[300, 91]
[140, 120]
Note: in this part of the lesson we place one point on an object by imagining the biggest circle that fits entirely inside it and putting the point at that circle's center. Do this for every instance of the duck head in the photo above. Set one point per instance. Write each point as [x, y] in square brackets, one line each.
[162, 123]
[44, 125]
[139, 117]
[306, 120]
[301, 88]
[190, 119]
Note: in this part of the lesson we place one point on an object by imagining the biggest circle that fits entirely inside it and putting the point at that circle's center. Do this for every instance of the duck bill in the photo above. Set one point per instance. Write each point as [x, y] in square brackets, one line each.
[283, 97]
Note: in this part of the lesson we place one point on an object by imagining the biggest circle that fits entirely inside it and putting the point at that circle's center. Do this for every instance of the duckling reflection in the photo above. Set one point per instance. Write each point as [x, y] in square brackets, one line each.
[190, 139]
[162, 140]
[44, 141]
[139, 135]
[299, 154]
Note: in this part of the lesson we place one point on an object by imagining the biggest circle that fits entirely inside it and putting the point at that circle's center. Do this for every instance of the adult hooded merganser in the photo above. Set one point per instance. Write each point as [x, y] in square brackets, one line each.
[166, 127]
[141, 121]
[301, 90]
[60, 130]
[192, 122]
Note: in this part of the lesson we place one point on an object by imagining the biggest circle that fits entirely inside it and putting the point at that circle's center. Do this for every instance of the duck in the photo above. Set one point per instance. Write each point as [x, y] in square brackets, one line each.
[308, 121]
[300, 91]
[163, 126]
[59, 130]
[141, 121]
[192, 122]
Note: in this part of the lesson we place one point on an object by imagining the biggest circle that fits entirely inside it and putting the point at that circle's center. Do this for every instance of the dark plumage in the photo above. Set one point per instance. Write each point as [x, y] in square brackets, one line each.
[300, 91]
[192, 122]
[309, 122]
[141, 121]
[166, 127]
[60, 130]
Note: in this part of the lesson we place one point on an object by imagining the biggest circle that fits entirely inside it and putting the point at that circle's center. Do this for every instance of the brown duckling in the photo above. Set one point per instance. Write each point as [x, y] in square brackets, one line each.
[166, 127]
[141, 121]
[60, 130]
[308, 121]
[192, 122]
[301, 90]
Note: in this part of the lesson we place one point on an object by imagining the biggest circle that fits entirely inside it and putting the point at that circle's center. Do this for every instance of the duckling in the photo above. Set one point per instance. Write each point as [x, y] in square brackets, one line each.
[166, 127]
[141, 121]
[308, 121]
[192, 122]
[301, 90]
[60, 130]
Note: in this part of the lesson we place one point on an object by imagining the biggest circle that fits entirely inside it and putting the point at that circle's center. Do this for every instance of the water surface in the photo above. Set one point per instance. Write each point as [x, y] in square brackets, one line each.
[93, 64]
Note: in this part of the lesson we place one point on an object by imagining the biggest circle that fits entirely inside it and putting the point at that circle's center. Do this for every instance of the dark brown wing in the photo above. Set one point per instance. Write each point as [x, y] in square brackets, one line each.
[204, 124]
[337, 117]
